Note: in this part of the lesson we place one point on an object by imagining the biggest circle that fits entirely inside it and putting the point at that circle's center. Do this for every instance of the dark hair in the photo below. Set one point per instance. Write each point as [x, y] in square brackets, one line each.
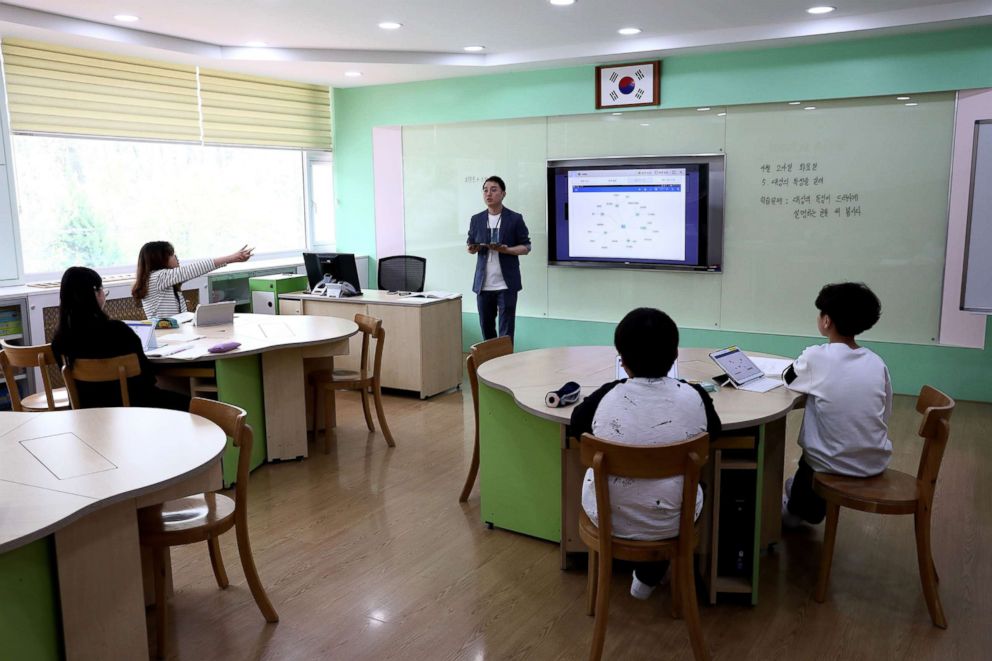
[153, 256]
[851, 306]
[497, 180]
[78, 308]
[648, 342]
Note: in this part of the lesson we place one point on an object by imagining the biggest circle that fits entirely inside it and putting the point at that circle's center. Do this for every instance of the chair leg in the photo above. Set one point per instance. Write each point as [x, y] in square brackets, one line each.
[377, 391]
[329, 419]
[217, 562]
[473, 471]
[158, 572]
[604, 574]
[367, 409]
[827, 554]
[591, 580]
[928, 576]
[251, 574]
[676, 590]
[690, 607]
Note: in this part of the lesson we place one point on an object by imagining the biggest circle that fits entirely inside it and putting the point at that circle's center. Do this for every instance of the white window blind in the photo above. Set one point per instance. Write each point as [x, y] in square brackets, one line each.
[245, 110]
[68, 91]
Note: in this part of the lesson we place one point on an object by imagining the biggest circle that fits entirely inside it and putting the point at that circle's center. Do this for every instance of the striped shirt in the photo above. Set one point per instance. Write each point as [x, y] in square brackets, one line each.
[162, 300]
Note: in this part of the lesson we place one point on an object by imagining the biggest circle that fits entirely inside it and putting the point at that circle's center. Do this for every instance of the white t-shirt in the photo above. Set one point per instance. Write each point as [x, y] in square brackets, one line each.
[646, 412]
[845, 424]
[494, 272]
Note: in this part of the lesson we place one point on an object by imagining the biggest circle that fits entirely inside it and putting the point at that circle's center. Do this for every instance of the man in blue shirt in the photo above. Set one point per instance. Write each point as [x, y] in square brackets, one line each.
[497, 236]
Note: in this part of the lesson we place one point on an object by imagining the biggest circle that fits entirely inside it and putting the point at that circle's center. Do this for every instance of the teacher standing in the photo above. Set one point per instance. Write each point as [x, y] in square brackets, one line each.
[497, 236]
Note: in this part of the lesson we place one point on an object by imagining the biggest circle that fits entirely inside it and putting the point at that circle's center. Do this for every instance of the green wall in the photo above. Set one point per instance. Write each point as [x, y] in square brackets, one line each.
[938, 61]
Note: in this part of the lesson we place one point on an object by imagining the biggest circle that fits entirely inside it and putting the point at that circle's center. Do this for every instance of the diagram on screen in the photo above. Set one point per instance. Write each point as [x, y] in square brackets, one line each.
[630, 214]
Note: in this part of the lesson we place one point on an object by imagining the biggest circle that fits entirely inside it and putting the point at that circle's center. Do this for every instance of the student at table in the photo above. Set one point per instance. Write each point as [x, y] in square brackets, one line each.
[849, 400]
[649, 408]
[159, 277]
[85, 331]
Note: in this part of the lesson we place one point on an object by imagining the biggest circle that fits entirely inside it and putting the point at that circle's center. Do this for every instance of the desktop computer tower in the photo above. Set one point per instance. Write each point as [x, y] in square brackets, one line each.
[735, 551]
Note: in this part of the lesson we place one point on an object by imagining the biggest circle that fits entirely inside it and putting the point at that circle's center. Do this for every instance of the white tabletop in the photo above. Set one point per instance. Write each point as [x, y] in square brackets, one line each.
[529, 375]
[372, 297]
[57, 466]
[256, 333]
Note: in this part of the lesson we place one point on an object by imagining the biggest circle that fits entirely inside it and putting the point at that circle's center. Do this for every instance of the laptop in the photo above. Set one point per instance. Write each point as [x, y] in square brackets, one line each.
[742, 372]
[146, 332]
[214, 314]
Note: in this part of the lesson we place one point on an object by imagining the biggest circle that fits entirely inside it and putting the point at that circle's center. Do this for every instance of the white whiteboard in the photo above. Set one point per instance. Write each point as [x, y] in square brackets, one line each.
[976, 288]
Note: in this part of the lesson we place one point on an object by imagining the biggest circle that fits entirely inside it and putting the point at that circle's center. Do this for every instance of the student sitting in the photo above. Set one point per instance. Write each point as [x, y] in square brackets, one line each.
[85, 331]
[159, 277]
[845, 424]
[647, 409]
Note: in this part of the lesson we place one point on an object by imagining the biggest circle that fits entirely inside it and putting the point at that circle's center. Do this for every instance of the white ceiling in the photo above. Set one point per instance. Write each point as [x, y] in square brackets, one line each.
[318, 40]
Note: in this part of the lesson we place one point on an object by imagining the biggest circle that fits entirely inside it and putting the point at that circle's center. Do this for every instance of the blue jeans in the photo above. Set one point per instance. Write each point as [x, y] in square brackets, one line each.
[502, 302]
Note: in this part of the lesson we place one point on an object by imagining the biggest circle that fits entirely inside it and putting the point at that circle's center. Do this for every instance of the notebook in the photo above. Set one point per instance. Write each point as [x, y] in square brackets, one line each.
[214, 314]
[742, 372]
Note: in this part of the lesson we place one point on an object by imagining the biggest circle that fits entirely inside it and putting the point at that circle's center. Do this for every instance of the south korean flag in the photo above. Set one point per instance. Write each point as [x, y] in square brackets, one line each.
[626, 85]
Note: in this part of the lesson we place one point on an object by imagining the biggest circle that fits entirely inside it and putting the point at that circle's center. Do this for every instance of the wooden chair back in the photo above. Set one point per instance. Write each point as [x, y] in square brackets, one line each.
[371, 329]
[606, 458]
[233, 420]
[27, 357]
[479, 353]
[99, 370]
[935, 428]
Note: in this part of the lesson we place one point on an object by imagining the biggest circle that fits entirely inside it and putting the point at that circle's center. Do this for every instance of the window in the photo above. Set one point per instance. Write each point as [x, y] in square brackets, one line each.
[320, 185]
[95, 202]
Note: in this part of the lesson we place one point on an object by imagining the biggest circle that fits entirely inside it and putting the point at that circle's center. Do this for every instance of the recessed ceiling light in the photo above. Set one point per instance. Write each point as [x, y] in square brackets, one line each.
[911, 104]
[721, 114]
[645, 124]
[629, 31]
[823, 9]
[902, 98]
[390, 25]
[256, 44]
[353, 74]
[703, 109]
[616, 114]
[794, 103]
[125, 18]
[562, 3]
[474, 49]
[810, 108]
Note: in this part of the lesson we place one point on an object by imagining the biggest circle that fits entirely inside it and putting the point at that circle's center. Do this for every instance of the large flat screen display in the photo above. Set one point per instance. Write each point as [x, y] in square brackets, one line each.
[638, 213]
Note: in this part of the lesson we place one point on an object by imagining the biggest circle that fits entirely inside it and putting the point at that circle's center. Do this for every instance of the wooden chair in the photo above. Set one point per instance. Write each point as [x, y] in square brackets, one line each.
[203, 517]
[684, 459]
[364, 379]
[894, 492]
[13, 358]
[478, 354]
[99, 370]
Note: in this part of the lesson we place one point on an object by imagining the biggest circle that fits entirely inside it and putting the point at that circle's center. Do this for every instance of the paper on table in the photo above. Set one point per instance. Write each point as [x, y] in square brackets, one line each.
[771, 366]
[188, 350]
[436, 294]
[178, 337]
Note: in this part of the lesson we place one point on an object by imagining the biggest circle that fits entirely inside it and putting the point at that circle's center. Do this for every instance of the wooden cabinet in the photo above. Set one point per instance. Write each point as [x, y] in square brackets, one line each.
[423, 351]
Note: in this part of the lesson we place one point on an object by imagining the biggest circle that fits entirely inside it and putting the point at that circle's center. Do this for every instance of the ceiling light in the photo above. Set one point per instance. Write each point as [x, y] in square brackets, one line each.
[474, 49]
[562, 3]
[125, 18]
[353, 74]
[629, 31]
[810, 108]
[902, 98]
[911, 104]
[390, 25]
[703, 109]
[616, 114]
[645, 124]
[721, 114]
[794, 103]
[820, 10]
[256, 44]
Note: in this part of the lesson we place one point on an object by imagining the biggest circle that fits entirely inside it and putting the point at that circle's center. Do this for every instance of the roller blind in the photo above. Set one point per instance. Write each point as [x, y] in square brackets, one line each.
[59, 90]
[245, 110]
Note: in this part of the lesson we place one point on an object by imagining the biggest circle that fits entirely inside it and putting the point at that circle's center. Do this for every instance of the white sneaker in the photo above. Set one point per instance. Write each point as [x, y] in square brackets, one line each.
[640, 590]
[789, 520]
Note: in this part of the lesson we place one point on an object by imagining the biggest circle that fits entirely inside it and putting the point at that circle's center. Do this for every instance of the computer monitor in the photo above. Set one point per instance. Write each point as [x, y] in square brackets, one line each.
[340, 266]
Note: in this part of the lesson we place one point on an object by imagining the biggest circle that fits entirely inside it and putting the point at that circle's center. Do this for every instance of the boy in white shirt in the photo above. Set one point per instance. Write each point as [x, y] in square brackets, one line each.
[647, 409]
[845, 424]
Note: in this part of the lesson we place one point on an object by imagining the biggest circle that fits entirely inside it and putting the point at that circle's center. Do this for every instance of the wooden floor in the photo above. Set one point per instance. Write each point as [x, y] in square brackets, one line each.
[367, 554]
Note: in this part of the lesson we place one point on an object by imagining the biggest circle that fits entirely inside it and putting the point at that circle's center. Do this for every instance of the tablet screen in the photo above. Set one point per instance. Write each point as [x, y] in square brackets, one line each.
[736, 364]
